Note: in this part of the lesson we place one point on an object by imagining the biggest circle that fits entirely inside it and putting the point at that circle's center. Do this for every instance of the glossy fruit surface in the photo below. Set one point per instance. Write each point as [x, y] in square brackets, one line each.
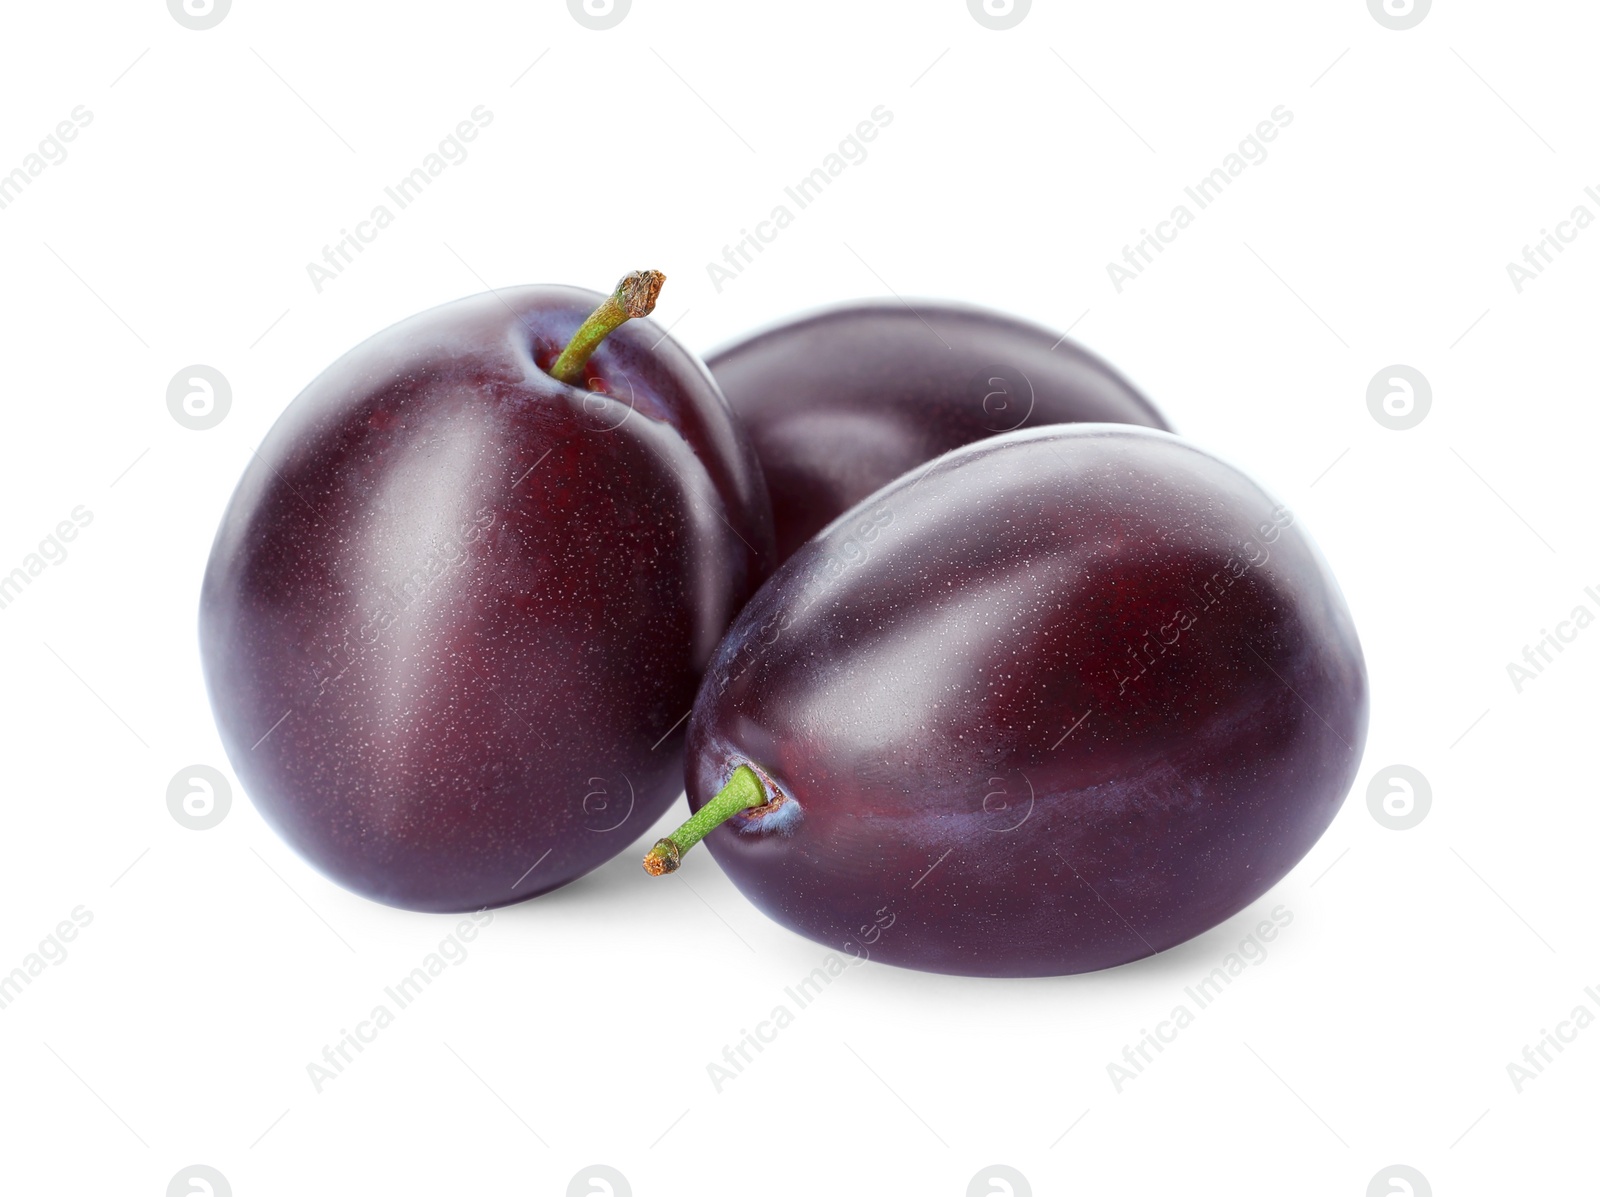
[456, 609]
[842, 401]
[1063, 699]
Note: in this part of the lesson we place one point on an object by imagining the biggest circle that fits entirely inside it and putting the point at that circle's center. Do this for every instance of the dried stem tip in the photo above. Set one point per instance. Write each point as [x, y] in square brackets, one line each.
[637, 292]
[663, 858]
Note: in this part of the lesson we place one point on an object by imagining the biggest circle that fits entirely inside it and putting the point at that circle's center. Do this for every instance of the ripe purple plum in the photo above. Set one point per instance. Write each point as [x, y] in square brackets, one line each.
[1057, 701]
[842, 401]
[464, 594]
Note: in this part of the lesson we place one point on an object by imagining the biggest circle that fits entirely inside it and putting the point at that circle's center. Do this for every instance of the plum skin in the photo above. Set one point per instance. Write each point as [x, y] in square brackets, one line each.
[455, 606]
[841, 401]
[1062, 700]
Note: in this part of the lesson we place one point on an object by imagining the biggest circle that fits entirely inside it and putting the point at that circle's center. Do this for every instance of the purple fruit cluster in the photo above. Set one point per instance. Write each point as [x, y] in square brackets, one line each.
[924, 607]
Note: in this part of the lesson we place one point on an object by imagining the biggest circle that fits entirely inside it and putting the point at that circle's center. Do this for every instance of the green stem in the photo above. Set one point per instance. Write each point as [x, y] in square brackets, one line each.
[635, 296]
[743, 791]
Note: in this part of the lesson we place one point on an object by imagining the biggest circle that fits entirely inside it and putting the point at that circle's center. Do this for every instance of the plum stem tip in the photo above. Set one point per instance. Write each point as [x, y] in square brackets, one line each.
[634, 297]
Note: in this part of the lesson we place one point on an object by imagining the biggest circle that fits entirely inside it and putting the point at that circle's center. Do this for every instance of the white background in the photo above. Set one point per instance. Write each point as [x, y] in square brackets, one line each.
[1017, 165]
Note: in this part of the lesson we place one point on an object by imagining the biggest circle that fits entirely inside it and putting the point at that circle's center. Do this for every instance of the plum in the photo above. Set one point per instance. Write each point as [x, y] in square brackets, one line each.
[1059, 700]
